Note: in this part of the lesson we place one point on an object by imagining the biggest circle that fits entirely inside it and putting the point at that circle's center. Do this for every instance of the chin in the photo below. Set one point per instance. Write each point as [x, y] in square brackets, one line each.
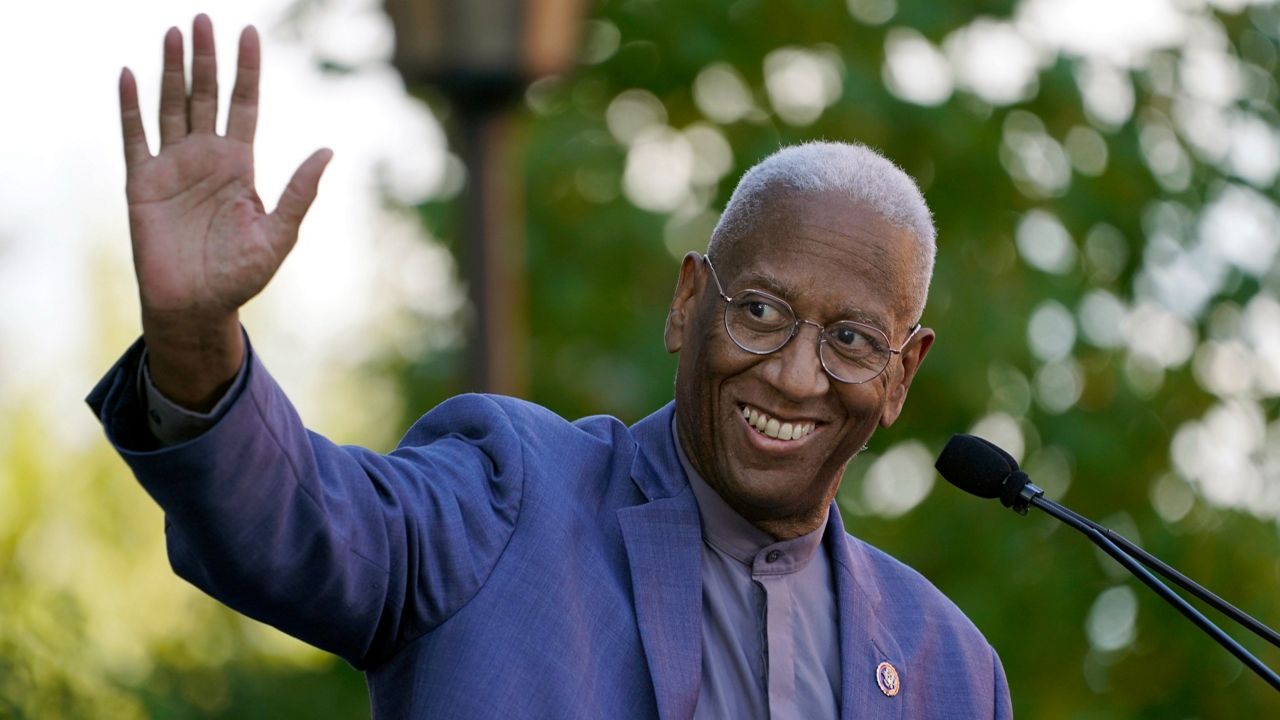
[771, 495]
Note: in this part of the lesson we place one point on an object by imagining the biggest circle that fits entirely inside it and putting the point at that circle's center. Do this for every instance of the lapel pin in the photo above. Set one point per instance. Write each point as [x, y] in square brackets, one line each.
[887, 679]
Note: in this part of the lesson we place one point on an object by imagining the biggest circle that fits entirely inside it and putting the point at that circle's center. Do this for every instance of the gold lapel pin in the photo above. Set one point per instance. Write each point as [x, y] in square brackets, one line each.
[887, 679]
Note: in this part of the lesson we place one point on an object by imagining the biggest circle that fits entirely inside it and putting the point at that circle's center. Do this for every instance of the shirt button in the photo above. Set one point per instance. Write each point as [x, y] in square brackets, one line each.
[772, 556]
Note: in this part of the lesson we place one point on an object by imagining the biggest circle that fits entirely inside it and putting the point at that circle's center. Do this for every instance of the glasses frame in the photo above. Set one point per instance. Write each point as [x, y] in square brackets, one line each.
[795, 330]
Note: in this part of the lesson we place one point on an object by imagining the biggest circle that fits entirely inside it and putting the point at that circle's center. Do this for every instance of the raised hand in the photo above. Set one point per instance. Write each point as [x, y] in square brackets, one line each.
[203, 244]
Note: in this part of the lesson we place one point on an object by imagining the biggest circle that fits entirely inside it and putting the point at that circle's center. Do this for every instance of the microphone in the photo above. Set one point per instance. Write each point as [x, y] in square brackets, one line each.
[982, 468]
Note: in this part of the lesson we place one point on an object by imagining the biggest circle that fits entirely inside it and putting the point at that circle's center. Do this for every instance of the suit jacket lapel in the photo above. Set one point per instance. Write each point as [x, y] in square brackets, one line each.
[663, 538]
[864, 643]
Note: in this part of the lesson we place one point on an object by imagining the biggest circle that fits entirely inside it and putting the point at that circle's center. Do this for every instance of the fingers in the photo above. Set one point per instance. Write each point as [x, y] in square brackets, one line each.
[135, 137]
[180, 114]
[173, 91]
[301, 190]
[204, 76]
[242, 119]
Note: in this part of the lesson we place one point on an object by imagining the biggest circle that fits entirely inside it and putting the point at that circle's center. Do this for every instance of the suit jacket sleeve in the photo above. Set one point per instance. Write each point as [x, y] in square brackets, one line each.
[352, 551]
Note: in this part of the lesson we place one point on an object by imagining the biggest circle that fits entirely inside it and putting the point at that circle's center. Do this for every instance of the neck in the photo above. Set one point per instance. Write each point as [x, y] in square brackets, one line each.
[786, 528]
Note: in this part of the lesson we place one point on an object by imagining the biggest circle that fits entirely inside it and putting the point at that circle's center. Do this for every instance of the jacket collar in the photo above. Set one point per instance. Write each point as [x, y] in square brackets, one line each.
[656, 468]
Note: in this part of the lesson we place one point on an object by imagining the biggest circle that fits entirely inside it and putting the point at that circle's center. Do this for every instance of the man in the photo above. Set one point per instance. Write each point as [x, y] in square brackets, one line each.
[505, 562]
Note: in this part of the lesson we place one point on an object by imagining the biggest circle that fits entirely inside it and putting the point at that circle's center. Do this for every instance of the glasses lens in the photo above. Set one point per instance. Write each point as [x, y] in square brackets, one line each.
[853, 352]
[759, 323]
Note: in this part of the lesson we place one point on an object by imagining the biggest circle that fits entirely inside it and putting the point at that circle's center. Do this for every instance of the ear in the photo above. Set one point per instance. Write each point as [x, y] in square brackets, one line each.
[684, 305]
[911, 357]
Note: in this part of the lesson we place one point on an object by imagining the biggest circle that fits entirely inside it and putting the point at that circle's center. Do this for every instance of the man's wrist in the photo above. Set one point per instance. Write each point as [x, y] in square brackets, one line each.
[193, 360]
[173, 424]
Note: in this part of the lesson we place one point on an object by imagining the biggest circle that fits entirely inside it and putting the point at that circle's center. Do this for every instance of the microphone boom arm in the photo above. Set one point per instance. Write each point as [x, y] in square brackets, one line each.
[1182, 581]
[1035, 496]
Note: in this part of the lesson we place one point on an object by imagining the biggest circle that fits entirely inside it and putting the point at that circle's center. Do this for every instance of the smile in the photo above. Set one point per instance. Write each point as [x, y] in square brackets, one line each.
[773, 427]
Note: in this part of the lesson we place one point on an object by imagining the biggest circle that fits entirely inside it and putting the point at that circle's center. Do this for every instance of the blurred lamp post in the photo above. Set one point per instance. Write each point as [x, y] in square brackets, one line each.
[482, 54]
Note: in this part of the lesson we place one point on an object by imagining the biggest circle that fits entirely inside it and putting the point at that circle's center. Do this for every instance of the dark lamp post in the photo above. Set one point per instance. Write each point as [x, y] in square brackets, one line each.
[482, 54]
[497, 43]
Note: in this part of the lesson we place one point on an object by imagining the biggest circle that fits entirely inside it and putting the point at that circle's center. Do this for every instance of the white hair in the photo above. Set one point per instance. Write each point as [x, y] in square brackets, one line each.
[852, 169]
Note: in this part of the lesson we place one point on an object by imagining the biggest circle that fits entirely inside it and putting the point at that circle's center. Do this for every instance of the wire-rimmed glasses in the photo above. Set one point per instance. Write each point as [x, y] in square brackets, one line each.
[759, 323]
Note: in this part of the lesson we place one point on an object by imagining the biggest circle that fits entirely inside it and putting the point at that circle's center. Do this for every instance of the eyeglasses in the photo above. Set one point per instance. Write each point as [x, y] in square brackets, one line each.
[851, 352]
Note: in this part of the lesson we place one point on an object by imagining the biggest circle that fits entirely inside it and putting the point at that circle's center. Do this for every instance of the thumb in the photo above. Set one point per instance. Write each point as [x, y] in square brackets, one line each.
[301, 191]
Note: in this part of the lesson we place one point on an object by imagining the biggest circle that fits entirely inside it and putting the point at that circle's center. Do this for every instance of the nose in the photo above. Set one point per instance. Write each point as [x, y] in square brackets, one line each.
[796, 369]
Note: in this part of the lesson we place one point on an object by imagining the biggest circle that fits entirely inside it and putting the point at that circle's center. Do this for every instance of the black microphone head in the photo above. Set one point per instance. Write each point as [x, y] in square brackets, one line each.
[976, 466]
[1007, 457]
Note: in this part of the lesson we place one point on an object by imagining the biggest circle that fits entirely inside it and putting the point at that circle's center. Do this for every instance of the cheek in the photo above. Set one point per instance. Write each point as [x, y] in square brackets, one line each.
[700, 373]
[721, 359]
[863, 404]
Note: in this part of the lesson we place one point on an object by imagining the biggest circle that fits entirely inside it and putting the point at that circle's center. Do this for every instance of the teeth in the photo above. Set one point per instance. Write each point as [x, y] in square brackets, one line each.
[774, 428]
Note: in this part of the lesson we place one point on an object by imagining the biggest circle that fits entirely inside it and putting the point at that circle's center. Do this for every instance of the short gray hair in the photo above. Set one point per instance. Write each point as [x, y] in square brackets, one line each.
[853, 169]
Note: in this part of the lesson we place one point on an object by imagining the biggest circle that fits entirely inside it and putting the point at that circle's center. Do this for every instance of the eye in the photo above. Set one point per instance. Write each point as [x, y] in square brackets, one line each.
[761, 310]
[854, 341]
[761, 313]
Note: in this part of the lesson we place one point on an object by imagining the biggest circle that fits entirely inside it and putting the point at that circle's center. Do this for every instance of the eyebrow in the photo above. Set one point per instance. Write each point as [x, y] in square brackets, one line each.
[762, 280]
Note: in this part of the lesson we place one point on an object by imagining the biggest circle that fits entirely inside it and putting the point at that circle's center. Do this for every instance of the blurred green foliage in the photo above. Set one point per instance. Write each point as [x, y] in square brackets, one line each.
[601, 270]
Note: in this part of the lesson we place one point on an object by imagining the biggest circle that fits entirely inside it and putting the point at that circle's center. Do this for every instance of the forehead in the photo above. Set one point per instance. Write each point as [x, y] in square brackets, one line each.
[838, 256]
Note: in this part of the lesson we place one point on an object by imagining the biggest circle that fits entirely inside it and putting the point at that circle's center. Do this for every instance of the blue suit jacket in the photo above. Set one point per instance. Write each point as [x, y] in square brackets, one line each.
[504, 562]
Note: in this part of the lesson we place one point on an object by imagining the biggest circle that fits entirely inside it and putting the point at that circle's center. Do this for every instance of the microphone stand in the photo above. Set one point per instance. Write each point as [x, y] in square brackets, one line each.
[1030, 494]
[1180, 580]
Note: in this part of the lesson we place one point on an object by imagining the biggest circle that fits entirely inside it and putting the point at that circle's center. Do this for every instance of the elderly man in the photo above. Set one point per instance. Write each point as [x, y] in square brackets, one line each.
[504, 562]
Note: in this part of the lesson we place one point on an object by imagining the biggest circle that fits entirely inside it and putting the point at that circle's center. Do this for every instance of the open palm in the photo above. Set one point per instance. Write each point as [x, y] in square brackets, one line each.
[203, 244]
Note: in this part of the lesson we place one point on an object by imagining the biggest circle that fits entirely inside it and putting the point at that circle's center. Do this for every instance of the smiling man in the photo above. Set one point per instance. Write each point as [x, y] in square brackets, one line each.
[796, 342]
[505, 562]
[772, 404]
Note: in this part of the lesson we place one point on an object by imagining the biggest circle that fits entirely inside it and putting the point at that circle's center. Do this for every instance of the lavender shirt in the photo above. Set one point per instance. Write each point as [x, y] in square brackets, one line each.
[769, 625]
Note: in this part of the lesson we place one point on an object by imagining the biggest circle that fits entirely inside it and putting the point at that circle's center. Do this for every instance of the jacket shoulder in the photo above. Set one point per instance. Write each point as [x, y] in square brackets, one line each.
[524, 419]
[544, 446]
[908, 600]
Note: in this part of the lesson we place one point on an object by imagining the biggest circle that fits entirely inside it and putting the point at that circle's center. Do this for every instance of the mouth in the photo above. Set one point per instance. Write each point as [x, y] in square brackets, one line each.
[776, 428]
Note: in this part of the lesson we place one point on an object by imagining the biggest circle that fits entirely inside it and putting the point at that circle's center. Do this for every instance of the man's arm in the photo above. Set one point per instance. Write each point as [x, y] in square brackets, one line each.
[203, 244]
[352, 551]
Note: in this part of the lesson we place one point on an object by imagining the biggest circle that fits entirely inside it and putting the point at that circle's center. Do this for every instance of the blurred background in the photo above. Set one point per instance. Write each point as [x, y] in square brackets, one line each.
[1107, 303]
